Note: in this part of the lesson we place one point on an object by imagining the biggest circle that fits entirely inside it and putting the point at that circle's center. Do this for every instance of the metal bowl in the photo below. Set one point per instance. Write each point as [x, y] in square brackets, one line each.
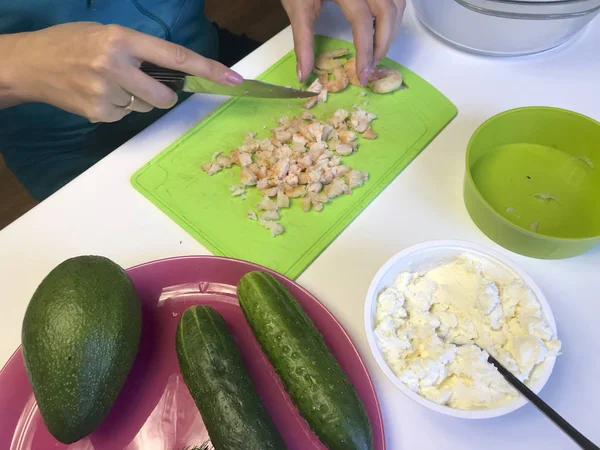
[506, 27]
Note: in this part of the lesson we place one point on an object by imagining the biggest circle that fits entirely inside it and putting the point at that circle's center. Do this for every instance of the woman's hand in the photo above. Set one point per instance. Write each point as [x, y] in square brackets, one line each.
[374, 26]
[92, 69]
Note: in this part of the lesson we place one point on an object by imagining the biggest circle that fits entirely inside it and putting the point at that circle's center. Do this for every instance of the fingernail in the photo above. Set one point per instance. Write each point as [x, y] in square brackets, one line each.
[366, 73]
[299, 73]
[364, 76]
[233, 78]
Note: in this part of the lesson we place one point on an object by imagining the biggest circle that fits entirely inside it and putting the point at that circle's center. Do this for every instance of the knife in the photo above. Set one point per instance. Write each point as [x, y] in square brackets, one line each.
[181, 82]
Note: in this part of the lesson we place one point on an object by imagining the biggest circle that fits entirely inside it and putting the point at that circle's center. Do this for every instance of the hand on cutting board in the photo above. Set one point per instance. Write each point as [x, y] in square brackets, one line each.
[92, 69]
[374, 24]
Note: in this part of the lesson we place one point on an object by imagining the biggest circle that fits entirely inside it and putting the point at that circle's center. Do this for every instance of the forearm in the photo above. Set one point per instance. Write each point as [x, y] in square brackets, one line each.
[9, 92]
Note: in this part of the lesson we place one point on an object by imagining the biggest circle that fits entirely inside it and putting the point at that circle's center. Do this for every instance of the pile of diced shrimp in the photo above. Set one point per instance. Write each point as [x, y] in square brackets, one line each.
[302, 159]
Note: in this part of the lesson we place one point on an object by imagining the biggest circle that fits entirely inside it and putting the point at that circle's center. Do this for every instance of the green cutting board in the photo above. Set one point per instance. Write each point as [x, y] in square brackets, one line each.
[407, 120]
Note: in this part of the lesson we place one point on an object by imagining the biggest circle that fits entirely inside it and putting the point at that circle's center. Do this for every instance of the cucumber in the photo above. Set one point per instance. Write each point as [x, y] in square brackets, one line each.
[214, 373]
[310, 374]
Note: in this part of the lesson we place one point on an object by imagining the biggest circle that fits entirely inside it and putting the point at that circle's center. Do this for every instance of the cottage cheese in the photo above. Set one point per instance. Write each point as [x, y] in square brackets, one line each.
[426, 326]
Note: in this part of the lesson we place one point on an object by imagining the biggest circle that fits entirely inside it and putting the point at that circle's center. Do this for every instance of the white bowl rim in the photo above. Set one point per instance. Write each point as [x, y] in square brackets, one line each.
[465, 247]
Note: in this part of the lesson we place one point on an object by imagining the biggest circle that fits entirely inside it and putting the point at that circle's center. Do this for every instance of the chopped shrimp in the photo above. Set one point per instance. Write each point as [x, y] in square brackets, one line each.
[350, 68]
[237, 190]
[316, 130]
[317, 88]
[340, 170]
[314, 187]
[329, 61]
[280, 169]
[356, 178]
[369, 133]
[283, 200]
[285, 122]
[252, 215]
[296, 191]
[322, 97]
[306, 204]
[339, 82]
[269, 215]
[306, 115]
[344, 149]
[346, 136]
[303, 178]
[336, 188]
[266, 204]
[384, 79]
[245, 159]
[211, 167]
[271, 192]
[360, 120]
[275, 227]
[263, 183]
[283, 136]
[338, 117]
[224, 161]
[247, 177]
[291, 180]
[299, 139]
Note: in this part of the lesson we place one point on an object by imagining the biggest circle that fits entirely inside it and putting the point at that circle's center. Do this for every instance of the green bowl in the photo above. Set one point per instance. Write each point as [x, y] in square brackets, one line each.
[532, 182]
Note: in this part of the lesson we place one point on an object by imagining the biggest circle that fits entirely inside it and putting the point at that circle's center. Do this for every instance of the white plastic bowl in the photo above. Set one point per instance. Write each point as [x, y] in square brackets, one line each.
[423, 257]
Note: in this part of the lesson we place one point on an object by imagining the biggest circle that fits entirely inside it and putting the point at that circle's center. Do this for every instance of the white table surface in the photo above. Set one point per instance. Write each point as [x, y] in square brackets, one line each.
[100, 213]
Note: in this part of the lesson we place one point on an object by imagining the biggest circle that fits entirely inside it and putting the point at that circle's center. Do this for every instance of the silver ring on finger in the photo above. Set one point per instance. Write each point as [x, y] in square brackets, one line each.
[129, 106]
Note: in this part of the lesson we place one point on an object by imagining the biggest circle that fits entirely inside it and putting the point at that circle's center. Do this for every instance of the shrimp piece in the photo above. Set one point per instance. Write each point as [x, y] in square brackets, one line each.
[347, 136]
[291, 180]
[360, 120]
[329, 61]
[295, 192]
[344, 149]
[340, 170]
[338, 118]
[211, 167]
[384, 79]
[247, 177]
[263, 183]
[269, 215]
[306, 204]
[350, 68]
[356, 178]
[281, 168]
[245, 159]
[283, 136]
[306, 115]
[339, 82]
[252, 215]
[283, 200]
[224, 161]
[317, 88]
[369, 133]
[337, 187]
[317, 148]
[237, 190]
[314, 187]
[303, 178]
[299, 139]
[266, 204]
[316, 130]
[275, 227]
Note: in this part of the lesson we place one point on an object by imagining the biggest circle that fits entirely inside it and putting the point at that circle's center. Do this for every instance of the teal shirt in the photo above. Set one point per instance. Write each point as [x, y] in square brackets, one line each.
[46, 147]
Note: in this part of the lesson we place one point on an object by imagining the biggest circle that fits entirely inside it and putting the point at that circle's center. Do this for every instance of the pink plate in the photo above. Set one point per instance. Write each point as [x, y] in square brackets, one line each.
[154, 410]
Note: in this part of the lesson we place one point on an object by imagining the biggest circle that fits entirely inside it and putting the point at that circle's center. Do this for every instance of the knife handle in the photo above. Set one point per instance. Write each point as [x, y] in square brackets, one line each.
[173, 79]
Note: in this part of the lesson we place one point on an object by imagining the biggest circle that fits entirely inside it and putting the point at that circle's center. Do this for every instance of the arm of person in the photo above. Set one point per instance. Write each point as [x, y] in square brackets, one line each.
[8, 94]
[93, 70]
[374, 24]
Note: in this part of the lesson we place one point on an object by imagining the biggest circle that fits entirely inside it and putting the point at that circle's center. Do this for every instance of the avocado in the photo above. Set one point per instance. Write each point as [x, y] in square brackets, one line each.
[80, 337]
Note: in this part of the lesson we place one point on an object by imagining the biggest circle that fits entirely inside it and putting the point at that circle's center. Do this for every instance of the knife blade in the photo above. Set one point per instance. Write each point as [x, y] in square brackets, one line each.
[248, 88]
[179, 81]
